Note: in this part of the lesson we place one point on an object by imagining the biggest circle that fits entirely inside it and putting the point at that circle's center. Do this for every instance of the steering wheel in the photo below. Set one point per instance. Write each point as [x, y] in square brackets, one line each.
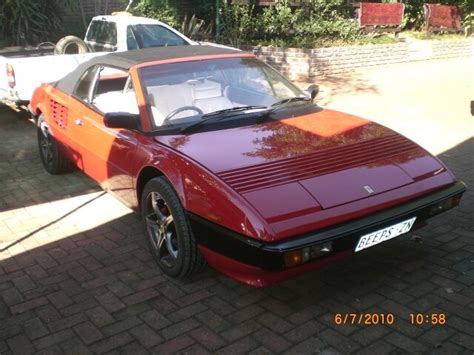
[181, 109]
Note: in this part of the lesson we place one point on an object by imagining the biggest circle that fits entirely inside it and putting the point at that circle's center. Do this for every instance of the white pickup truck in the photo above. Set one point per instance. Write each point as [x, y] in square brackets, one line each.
[20, 74]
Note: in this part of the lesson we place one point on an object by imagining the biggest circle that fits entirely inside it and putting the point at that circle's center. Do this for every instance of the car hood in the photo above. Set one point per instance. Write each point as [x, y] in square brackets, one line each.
[310, 162]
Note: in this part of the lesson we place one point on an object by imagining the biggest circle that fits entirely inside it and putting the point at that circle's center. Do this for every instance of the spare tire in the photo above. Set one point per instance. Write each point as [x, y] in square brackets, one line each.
[70, 45]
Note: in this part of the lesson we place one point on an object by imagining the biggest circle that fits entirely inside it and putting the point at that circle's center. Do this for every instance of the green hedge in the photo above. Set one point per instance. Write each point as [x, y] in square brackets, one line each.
[31, 21]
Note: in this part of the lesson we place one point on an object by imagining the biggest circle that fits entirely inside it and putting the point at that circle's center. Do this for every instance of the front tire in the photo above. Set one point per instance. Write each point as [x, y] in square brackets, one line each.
[53, 160]
[170, 238]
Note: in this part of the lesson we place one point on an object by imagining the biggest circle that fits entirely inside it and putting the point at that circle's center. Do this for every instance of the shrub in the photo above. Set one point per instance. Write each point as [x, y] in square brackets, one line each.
[280, 20]
[195, 28]
[327, 9]
[468, 24]
[326, 23]
[237, 23]
[31, 21]
[161, 10]
[413, 17]
[205, 9]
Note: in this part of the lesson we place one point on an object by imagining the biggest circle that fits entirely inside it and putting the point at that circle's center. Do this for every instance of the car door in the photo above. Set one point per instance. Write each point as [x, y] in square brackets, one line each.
[106, 154]
[102, 36]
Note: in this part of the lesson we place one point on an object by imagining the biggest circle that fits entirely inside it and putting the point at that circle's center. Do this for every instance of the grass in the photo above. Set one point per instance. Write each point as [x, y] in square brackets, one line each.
[377, 39]
[359, 40]
[353, 38]
[423, 35]
[329, 42]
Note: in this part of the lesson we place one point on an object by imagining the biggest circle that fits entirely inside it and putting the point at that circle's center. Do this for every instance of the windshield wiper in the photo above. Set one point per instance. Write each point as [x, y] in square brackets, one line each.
[277, 105]
[220, 114]
[284, 102]
[235, 109]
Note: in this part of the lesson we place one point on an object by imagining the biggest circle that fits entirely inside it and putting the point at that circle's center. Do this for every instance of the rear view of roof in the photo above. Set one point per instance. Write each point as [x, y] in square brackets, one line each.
[126, 60]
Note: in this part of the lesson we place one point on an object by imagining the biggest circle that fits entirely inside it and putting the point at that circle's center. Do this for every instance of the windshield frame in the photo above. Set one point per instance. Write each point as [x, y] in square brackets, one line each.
[247, 116]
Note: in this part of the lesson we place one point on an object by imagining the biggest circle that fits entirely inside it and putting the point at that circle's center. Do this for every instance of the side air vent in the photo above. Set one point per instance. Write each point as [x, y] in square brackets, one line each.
[319, 163]
[58, 112]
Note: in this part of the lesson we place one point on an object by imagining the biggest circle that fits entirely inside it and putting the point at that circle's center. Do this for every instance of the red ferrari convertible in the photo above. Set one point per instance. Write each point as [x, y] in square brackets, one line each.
[230, 163]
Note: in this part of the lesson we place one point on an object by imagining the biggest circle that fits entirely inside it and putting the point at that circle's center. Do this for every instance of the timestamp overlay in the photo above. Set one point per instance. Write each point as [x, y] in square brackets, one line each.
[389, 318]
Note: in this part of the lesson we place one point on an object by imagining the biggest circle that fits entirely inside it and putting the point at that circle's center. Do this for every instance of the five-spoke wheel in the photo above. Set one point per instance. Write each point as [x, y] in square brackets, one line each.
[169, 235]
[51, 156]
[161, 230]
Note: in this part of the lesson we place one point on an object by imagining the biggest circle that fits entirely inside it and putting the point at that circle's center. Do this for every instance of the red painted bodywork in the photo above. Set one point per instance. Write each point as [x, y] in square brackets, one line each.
[269, 182]
[326, 194]
[253, 276]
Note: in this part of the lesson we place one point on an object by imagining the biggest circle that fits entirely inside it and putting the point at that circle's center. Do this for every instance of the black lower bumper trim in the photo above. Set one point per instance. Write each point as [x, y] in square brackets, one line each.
[270, 256]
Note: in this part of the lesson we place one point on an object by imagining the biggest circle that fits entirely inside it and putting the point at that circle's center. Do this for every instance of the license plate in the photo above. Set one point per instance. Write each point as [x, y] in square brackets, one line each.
[382, 235]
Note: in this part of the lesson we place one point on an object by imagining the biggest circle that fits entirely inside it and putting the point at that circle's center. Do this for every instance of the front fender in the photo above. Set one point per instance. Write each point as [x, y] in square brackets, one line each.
[204, 194]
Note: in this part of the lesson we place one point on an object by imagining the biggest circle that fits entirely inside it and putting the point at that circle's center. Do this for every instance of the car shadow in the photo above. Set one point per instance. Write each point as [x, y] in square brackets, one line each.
[22, 177]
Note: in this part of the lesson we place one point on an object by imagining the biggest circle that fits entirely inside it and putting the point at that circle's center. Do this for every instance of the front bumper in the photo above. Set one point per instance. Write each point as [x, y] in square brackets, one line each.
[225, 246]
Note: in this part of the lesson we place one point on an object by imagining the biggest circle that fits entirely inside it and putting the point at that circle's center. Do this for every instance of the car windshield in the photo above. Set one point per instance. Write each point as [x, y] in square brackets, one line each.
[187, 92]
[156, 36]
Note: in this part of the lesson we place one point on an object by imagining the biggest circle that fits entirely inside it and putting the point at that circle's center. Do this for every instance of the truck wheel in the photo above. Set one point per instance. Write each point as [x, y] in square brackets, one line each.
[53, 160]
[70, 45]
[170, 238]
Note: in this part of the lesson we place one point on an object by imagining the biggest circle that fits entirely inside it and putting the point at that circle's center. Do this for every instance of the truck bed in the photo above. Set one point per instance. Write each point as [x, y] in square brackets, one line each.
[23, 52]
[32, 71]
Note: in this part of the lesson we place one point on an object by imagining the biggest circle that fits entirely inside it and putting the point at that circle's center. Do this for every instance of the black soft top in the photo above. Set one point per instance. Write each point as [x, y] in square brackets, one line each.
[126, 60]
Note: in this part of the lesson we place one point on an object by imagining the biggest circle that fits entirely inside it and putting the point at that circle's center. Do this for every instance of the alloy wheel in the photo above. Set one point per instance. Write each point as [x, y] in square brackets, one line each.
[161, 230]
[46, 145]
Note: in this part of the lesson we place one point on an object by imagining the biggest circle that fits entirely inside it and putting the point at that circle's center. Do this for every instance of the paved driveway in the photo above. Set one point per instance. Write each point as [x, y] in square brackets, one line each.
[75, 274]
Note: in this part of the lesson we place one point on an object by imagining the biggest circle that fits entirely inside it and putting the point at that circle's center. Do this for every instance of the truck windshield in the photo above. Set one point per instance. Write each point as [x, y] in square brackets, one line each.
[182, 93]
[155, 36]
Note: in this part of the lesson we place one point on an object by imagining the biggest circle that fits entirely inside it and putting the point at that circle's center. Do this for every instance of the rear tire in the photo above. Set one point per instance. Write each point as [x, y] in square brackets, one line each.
[170, 238]
[66, 44]
[53, 160]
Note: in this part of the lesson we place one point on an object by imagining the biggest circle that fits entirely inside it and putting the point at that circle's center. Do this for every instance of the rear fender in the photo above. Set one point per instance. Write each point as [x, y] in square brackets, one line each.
[37, 103]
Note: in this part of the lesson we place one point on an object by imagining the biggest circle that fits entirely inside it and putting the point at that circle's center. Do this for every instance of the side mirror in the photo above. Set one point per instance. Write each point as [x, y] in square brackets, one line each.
[312, 91]
[122, 120]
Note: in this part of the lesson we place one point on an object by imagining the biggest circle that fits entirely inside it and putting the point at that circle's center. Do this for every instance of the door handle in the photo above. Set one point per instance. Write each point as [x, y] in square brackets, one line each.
[78, 122]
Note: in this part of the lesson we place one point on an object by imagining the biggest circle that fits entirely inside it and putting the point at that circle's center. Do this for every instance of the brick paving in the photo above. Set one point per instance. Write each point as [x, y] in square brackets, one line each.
[82, 280]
